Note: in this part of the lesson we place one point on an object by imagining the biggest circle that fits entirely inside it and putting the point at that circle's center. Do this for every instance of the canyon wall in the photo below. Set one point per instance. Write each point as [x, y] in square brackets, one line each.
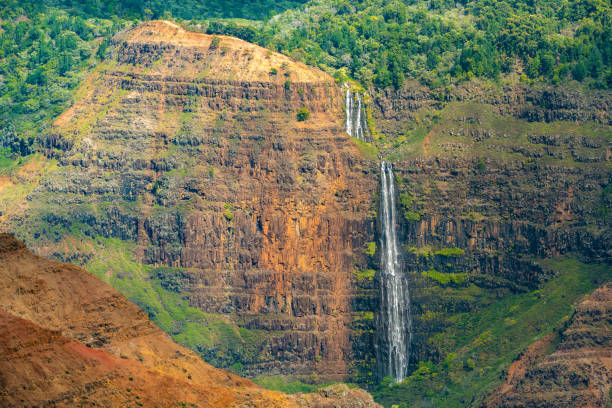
[492, 180]
[189, 146]
[578, 371]
[68, 339]
[182, 176]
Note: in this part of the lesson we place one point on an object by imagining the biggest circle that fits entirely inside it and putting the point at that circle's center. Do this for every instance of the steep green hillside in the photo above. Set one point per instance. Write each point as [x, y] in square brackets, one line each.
[154, 9]
[43, 58]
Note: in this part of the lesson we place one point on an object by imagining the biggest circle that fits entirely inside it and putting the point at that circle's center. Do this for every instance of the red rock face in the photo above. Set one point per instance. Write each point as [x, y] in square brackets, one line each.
[577, 374]
[68, 339]
[195, 153]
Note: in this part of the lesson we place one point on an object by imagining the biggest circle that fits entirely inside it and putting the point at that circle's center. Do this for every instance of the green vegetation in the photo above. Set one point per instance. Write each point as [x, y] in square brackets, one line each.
[368, 274]
[382, 42]
[8, 160]
[406, 199]
[154, 9]
[479, 345]
[303, 114]
[286, 384]
[228, 212]
[155, 290]
[367, 315]
[214, 43]
[370, 248]
[450, 252]
[412, 216]
[445, 278]
[424, 251]
[43, 57]
[46, 52]
[367, 150]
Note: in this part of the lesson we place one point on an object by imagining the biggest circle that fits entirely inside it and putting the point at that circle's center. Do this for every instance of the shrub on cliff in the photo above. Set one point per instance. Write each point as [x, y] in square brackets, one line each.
[303, 114]
[214, 43]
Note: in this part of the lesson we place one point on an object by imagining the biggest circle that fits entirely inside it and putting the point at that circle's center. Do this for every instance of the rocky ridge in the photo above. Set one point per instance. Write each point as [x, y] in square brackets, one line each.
[66, 338]
[578, 373]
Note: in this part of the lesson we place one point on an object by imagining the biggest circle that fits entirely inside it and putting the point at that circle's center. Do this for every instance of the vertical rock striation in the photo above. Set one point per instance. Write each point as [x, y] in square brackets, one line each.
[193, 151]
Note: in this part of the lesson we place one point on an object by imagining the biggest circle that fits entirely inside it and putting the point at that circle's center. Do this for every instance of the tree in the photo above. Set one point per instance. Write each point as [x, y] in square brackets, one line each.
[303, 114]
[547, 63]
[382, 76]
[37, 77]
[64, 63]
[579, 71]
[214, 43]
[533, 67]
[101, 53]
[595, 63]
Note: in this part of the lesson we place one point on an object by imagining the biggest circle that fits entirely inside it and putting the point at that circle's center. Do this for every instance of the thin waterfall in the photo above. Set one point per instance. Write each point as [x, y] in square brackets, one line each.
[395, 320]
[348, 102]
[356, 124]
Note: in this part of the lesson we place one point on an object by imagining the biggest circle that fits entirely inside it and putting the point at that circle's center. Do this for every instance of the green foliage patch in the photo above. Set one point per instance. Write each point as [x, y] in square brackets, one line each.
[290, 385]
[450, 252]
[370, 249]
[44, 53]
[303, 114]
[382, 42]
[367, 274]
[445, 278]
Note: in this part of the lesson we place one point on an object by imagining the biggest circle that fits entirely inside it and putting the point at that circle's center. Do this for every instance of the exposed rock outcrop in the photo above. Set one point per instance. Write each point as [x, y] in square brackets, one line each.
[544, 104]
[577, 374]
[192, 149]
[66, 339]
[488, 187]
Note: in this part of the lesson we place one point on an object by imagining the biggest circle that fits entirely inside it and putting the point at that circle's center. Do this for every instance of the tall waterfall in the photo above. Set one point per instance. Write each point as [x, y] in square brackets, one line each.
[395, 320]
[356, 124]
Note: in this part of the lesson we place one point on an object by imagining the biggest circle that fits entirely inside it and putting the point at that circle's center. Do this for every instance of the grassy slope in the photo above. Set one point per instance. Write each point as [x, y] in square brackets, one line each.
[287, 384]
[218, 340]
[481, 345]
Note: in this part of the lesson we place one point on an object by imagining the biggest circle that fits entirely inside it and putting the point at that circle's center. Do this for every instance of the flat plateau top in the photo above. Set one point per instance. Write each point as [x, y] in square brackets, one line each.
[231, 59]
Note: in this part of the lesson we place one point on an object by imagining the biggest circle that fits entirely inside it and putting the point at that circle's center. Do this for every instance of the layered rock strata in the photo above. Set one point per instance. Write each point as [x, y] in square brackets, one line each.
[490, 180]
[68, 339]
[579, 371]
[189, 145]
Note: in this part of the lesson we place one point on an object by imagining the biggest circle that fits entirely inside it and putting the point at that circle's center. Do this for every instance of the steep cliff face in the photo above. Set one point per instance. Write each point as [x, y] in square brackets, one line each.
[188, 147]
[501, 191]
[488, 187]
[66, 339]
[579, 371]
[182, 177]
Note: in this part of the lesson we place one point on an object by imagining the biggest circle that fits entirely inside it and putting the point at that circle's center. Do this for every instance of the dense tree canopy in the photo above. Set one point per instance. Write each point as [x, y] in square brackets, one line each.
[42, 57]
[144, 9]
[384, 41]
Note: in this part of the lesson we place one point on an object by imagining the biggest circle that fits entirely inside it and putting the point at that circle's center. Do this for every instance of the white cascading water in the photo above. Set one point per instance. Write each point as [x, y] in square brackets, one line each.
[356, 125]
[395, 317]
